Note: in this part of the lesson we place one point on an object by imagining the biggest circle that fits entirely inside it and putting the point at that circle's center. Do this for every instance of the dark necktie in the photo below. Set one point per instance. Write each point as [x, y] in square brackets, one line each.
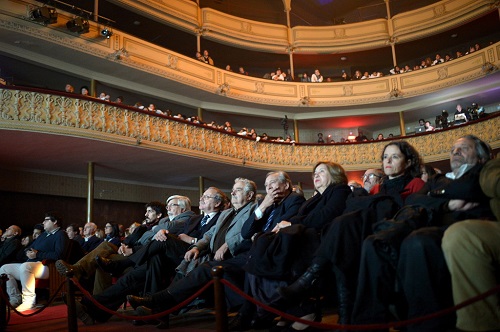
[204, 221]
[269, 220]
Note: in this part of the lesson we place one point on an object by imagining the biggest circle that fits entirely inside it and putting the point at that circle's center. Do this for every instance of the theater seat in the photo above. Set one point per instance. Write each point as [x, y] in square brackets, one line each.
[53, 282]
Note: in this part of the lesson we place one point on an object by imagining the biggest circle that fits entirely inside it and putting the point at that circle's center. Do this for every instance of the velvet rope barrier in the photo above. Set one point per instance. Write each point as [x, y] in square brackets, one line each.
[149, 317]
[284, 315]
[37, 311]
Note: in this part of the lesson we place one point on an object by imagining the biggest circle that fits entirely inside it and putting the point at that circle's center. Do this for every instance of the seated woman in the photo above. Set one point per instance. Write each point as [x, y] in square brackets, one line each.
[340, 248]
[294, 242]
[328, 202]
[112, 234]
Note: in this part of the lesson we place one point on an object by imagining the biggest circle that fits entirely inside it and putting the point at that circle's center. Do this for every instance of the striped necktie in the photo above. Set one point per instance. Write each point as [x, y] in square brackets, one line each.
[269, 220]
[204, 221]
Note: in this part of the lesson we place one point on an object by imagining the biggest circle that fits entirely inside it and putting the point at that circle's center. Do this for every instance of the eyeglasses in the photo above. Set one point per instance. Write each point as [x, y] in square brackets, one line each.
[369, 176]
[172, 204]
[108, 226]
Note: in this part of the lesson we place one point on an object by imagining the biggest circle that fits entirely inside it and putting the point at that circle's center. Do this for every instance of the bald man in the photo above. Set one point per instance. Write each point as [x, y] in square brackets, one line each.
[11, 244]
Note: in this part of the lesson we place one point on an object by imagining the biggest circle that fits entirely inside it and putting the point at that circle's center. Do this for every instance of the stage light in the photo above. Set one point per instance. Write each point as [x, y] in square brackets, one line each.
[47, 15]
[106, 33]
[79, 25]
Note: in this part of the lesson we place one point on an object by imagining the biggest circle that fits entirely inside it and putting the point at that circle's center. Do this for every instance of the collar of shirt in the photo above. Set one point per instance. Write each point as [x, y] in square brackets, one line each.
[461, 171]
[211, 215]
[53, 231]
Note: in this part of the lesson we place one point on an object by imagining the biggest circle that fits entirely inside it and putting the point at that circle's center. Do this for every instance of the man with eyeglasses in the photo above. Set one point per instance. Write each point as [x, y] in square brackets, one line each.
[226, 247]
[160, 257]
[280, 203]
[371, 178]
[51, 244]
[228, 228]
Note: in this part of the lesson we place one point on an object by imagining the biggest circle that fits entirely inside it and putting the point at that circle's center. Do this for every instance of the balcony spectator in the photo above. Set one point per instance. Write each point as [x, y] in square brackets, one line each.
[69, 88]
[438, 60]
[357, 75]
[207, 59]
[242, 71]
[316, 77]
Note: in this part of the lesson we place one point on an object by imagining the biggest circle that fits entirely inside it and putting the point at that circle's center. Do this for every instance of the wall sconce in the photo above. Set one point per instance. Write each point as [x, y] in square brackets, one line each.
[79, 25]
[106, 32]
[395, 93]
[119, 54]
[46, 15]
[223, 89]
[304, 101]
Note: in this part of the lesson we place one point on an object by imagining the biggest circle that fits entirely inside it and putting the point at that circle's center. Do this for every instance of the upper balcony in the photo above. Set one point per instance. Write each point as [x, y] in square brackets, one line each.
[131, 63]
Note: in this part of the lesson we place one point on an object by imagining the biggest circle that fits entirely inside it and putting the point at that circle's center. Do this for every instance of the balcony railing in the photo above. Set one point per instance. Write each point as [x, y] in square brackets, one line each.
[64, 114]
[122, 54]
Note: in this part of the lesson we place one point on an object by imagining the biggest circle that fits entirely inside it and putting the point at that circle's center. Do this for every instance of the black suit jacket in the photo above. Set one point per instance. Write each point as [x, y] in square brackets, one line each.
[319, 210]
[439, 190]
[193, 229]
[91, 244]
[9, 249]
[284, 211]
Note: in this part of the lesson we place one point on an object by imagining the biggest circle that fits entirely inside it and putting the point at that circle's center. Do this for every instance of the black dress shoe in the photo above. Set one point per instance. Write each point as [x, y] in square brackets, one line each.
[105, 264]
[262, 324]
[239, 323]
[136, 301]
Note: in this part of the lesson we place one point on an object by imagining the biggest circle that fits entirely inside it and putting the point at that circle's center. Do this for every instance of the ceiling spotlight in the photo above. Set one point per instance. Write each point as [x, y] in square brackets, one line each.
[343, 58]
[79, 25]
[47, 15]
[106, 33]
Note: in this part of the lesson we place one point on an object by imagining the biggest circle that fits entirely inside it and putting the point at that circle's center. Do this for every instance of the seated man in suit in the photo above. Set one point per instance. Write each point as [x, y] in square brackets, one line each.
[472, 251]
[219, 245]
[160, 257]
[90, 240]
[74, 233]
[51, 244]
[225, 246]
[156, 261]
[280, 203]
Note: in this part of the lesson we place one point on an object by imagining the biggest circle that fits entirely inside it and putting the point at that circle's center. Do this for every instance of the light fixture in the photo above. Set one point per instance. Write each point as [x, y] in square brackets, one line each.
[106, 32]
[46, 15]
[351, 137]
[79, 25]
[343, 58]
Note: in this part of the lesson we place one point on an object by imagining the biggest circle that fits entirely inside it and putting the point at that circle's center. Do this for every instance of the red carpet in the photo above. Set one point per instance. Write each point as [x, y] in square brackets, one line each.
[53, 312]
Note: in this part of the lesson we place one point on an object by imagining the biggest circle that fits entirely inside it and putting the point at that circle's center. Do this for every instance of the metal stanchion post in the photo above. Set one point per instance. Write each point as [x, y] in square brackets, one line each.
[220, 300]
[70, 302]
[3, 303]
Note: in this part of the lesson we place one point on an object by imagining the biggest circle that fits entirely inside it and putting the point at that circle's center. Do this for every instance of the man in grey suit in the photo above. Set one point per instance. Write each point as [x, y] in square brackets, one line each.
[224, 242]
